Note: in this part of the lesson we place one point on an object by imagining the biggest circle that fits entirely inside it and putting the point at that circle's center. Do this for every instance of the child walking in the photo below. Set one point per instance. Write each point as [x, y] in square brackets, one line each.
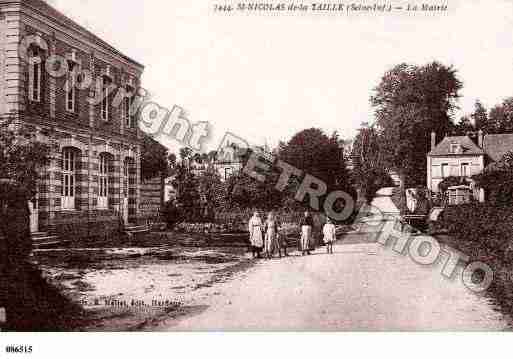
[329, 235]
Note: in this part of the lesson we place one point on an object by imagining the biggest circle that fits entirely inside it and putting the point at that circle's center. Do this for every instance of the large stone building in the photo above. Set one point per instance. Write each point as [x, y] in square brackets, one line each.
[80, 106]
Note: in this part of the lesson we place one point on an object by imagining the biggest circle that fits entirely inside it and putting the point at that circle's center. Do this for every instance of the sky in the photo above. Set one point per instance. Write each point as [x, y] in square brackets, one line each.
[265, 77]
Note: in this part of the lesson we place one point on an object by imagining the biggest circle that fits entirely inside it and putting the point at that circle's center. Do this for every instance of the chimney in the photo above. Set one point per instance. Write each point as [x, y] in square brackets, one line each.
[433, 140]
[480, 138]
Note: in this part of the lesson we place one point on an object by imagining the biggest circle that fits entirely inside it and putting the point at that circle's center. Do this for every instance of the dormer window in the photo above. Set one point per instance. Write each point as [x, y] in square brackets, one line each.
[35, 74]
[455, 148]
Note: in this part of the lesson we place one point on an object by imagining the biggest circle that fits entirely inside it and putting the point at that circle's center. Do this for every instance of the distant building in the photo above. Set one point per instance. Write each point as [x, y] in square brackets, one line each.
[460, 156]
[228, 162]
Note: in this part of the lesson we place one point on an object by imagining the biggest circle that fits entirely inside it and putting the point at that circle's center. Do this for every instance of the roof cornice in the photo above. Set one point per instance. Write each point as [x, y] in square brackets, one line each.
[84, 35]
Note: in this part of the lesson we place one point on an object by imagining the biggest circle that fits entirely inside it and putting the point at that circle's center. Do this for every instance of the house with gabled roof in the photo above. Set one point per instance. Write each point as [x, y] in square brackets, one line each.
[460, 156]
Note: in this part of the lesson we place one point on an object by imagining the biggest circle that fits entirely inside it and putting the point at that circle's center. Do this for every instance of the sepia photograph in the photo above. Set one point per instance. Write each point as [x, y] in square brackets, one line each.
[276, 166]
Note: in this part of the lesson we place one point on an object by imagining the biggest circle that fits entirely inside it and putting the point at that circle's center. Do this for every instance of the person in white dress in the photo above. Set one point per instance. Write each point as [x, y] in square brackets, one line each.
[329, 235]
[271, 236]
[256, 238]
[306, 241]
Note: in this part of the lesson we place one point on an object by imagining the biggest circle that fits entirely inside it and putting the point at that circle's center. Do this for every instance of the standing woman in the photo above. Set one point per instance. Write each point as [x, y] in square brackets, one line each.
[255, 234]
[271, 235]
[306, 233]
[329, 235]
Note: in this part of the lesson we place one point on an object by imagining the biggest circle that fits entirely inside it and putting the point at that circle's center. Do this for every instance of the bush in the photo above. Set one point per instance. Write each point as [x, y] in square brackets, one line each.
[15, 241]
[423, 200]
[452, 181]
[498, 185]
[480, 226]
[172, 214]
[372, 181]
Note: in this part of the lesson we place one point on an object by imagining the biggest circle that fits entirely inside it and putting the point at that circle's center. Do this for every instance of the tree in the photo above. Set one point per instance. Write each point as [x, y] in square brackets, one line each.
[369, 173]
[367, 148]
[409, 103]
[30, 302]
[245, 192]
[154, 159]
[212, 156]
[501, 117]
[21, 159]
[171, 160]
[187, 194]
[185, 153]
[198, 193]
[318, 155]
[497, 181]
[464, 127]
[480, 117]
[212, 193]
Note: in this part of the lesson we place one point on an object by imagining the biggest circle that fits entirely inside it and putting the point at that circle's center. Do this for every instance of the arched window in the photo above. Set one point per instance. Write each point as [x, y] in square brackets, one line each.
[127, 104]
[126, 165]
[103, 194]
[70, 89]
[105, 104]
[35, 74]
[68, 178]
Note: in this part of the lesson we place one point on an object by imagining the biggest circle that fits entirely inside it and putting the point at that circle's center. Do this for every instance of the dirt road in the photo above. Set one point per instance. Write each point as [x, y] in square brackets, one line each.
[363, 286]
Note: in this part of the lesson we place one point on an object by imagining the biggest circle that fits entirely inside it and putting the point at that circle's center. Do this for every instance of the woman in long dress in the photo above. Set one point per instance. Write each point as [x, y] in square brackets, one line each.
[256, 239]
[329, 232]
[271, 236]
[306, 233]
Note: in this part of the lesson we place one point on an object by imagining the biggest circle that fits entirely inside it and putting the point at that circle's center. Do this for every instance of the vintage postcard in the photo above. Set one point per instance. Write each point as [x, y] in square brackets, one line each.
[270, 166]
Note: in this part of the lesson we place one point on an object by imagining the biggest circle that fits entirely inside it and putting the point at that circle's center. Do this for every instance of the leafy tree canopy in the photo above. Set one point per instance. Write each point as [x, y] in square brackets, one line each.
[154, 159]
[497, 180]
[501, 117]
[410, 102]
[21, 157]
[319, 155]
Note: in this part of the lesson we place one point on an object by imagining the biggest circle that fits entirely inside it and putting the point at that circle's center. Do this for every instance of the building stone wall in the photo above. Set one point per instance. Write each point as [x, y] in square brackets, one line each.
[152, 198]
[83, 129]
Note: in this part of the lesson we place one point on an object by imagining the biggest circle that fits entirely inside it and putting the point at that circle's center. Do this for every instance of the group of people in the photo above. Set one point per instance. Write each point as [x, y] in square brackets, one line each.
[265, 236]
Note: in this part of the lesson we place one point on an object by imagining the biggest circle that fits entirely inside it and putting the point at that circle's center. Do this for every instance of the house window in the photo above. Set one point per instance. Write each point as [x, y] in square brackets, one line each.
[68, 178]
[228, 172]
[127, 104]
[70, 86]
[125, 178]
[445, 170]
[105, 98]
[103, 195]
[35, 75]
[465, 170]
[455, 147]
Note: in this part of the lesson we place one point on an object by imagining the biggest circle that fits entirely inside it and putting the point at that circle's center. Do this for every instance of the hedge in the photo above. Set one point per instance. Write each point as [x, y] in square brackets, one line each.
[481, 227]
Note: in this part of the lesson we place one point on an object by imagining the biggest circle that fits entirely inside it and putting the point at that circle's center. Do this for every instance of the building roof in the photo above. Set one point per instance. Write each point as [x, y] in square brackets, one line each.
[468, 147]
[43, 7]
[497, 145]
